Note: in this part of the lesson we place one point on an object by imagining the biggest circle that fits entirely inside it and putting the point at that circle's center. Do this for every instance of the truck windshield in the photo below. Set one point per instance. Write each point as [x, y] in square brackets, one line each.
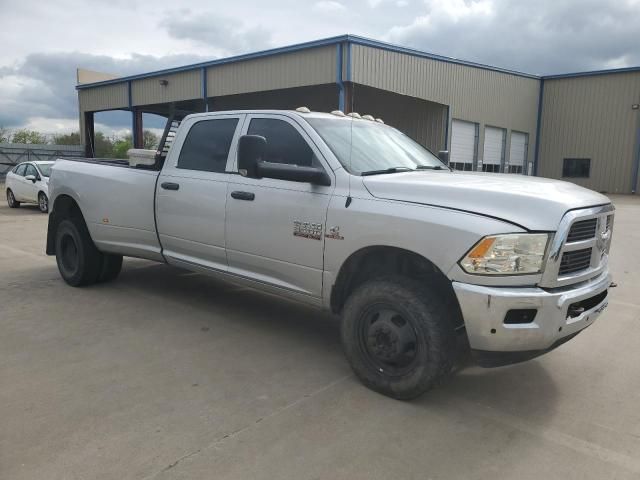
[366, 147]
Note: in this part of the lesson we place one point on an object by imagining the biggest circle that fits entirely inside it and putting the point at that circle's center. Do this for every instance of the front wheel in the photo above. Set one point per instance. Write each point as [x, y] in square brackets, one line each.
[398, 337]
[43, 202]
[11, 200]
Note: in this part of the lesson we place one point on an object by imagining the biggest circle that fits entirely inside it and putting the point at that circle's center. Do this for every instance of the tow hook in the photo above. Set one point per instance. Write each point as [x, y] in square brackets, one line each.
[613, 285]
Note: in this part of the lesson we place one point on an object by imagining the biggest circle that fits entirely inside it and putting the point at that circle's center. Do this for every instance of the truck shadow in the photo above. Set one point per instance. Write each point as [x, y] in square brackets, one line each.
[525, 391]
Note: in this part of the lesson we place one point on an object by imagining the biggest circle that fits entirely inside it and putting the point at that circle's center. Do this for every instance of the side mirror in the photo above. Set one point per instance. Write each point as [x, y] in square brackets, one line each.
[293, 173]
[31, 178]
[251, 149]
[443, 155]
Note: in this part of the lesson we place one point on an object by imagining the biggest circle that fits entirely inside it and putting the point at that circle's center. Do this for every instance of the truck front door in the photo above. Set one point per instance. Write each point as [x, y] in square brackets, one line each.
[275, 228]
[192, 192]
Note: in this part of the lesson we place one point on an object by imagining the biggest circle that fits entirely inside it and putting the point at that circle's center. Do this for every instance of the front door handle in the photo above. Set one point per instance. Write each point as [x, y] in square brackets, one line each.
[243, 195]
[170, 186]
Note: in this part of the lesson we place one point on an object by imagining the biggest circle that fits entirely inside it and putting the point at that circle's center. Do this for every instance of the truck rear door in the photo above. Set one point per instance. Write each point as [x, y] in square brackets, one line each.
[192, 191]
[275, 228]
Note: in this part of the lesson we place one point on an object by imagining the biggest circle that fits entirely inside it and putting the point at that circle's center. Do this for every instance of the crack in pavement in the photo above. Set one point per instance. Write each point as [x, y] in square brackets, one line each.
[223, 438]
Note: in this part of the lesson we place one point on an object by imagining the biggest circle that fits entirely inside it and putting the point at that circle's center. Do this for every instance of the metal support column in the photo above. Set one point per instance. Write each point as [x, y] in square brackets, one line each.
[89, 135]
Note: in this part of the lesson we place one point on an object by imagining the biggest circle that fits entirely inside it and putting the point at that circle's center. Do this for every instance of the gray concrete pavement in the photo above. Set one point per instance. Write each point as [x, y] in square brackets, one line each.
[165, 374]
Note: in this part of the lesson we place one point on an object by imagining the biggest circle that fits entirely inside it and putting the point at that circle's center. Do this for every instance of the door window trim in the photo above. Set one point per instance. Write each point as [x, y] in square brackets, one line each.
[324, 164]
[185, 127]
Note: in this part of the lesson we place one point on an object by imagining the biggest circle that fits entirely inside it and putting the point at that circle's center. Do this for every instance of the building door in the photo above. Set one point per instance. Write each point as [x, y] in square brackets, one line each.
[518, 153]
[494, 140]
[464, 141]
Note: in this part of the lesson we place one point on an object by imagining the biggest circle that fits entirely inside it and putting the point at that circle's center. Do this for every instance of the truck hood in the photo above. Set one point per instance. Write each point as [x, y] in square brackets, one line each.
[531, 202]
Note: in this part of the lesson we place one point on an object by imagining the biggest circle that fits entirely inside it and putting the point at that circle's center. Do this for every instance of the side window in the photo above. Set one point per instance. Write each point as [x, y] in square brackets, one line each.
[31, 170]
[207, 145]
[284, 143]
[19, 170]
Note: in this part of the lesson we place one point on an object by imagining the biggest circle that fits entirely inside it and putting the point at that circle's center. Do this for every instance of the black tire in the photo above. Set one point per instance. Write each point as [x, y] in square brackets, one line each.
[11, 199]
[408, 346]
[79, 261]
[111, 266]
[43, 202]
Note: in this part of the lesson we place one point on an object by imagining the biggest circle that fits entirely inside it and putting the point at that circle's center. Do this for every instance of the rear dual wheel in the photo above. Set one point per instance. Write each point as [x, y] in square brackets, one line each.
[79, 261]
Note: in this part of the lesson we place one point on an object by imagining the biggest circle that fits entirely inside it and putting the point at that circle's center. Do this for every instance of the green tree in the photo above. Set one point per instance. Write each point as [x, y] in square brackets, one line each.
[28, 136]
[5, 135]
[67, 139]
[103, 146]
[149, 140]
[121, 146]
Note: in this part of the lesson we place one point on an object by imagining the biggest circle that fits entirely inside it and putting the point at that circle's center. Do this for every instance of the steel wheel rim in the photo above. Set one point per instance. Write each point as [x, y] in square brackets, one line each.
[388, 340]
[69, 254]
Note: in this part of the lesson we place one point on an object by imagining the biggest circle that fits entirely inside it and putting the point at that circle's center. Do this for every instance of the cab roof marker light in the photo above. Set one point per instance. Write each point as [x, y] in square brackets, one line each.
[369, 117]
[338, 113]
[354, 115]
[379, 120]
[303, 110]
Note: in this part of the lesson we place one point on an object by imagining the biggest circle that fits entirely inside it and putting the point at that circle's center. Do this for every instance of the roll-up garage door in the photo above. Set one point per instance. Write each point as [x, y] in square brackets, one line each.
[518, 152]
[493, 149]
[463, 145]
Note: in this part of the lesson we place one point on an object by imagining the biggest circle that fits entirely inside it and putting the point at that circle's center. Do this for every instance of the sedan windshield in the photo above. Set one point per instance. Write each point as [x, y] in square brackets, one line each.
[367, 147]
[45, 169]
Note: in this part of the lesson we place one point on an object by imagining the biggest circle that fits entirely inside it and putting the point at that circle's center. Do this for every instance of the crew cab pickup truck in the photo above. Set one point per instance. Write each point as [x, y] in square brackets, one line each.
[350, 215]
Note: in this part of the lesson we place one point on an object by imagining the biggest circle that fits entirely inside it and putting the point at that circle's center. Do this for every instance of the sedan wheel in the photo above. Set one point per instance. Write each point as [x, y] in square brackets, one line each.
[11, 200]
[43, 202]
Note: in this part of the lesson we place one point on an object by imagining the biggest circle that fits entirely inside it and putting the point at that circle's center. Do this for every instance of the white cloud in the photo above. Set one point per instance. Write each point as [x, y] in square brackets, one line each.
[328, 6]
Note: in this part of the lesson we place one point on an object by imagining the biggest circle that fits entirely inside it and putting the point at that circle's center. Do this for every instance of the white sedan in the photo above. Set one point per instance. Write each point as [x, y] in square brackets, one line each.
[28, 182]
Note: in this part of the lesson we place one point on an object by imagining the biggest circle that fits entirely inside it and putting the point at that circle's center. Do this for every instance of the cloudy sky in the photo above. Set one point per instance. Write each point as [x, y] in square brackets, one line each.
[44, 42]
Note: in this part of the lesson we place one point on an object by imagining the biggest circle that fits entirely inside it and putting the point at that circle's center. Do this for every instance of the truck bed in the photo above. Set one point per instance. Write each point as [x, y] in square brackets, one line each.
[116, 200]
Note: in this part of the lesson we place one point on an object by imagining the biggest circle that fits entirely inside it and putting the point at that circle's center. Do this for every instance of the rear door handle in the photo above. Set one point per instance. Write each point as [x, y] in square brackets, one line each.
[243, 195]
[170, 186]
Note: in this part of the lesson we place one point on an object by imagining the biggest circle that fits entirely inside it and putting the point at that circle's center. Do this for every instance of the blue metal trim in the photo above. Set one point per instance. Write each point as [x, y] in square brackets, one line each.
[222, 61]
[203, 78]
[417, 53]
[339, 81]
[348, 39]
[636, 165]
[348, 79]
[538, 128]
[592, 73]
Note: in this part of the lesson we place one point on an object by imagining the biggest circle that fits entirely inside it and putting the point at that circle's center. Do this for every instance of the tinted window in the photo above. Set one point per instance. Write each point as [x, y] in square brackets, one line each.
[576, 167]
[31, 170]
[284, 143]
[206, 147]
[19, 170]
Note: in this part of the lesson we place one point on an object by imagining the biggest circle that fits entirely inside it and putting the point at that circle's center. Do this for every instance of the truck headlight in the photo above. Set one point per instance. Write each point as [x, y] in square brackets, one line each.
[510, 254]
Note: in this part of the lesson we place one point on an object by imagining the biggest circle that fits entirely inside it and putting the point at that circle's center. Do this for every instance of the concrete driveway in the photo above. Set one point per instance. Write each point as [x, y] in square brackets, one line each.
[166, 374]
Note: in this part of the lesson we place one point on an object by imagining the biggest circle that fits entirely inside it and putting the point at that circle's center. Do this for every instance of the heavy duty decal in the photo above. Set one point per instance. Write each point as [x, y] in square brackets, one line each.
[334, 232]
[307, 230]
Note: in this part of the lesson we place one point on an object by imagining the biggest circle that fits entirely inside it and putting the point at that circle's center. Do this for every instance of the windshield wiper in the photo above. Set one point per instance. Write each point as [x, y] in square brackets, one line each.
[432, 167]
[387, 170]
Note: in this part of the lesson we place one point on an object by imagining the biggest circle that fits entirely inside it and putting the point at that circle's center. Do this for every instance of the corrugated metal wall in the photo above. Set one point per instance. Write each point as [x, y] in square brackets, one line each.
[297, 69]
[591, 117]
[425, 122]
[483, 96]
[108, 97]
[180, 86]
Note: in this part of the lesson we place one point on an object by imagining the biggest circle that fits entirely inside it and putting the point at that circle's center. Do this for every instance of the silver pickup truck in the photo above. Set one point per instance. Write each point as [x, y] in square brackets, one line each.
[350, 215]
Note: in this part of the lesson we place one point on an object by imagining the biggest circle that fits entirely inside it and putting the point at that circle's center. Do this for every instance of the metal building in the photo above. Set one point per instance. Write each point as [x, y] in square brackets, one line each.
[491, 119]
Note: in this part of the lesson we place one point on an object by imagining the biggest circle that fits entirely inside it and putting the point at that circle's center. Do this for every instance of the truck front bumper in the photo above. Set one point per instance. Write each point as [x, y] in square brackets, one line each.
[560, 314]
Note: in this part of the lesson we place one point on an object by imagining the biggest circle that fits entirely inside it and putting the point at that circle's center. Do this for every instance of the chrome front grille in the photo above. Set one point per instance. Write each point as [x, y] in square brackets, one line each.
[583, 230]
[575, 261]
[580, 247]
